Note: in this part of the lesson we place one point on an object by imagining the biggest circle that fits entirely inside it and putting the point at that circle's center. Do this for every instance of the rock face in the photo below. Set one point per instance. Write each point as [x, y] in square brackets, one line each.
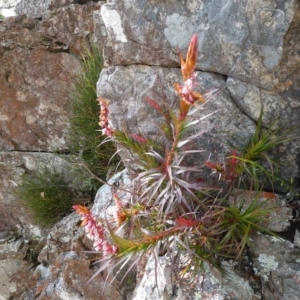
[248, 48]
[65, 269]
[209, 285]
[38, 66]
[34, 9]
[276, 261]
[65, 262]
[39, 61]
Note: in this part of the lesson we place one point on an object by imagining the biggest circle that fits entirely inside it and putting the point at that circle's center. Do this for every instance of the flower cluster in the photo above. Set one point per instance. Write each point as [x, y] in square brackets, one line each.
[185, 91]
[103, 117]
[94, 230]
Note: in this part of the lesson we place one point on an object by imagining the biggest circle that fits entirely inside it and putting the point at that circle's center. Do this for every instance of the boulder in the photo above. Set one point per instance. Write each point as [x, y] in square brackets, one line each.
[66, 267]
[38, 70]
[276, 262]
[39, 65]
[16, 265]
[67, 261]
[209, 284]
[39, 62]
[247, 49]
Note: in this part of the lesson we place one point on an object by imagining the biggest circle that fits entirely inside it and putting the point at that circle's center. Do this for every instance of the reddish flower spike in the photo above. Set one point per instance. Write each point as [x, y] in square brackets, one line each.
[103, 117]
[94, 231]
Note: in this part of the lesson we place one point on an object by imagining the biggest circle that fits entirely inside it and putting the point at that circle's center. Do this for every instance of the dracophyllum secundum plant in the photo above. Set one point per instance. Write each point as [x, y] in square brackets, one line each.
[165, 179]
[171, 211]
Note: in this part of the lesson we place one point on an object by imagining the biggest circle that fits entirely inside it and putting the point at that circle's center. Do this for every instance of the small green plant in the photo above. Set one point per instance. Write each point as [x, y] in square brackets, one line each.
[252, 166]
[84, 142]
[47, 195]
[1, 17]
[174, 210]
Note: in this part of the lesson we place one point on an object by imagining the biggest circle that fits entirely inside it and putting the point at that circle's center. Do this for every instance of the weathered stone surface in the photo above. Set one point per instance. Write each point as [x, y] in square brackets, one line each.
[15, 271]
[128, 87]
[104, 206]
[36, 74]
[34, 9]
[65, 268]
[38, 68]
[208, 285]
[297, 238]
[231, 33]
[276, 262]
[253, 43]
[39, 61]
[149, 288]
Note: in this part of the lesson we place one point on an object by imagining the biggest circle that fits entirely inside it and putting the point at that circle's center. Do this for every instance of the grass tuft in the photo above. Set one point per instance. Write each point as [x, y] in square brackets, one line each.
[85, 140]
[47, 196]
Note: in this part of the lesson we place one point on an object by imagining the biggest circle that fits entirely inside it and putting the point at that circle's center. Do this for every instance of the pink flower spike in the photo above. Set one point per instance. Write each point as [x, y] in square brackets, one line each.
[103, 117]
[94, 231]
[186, 90]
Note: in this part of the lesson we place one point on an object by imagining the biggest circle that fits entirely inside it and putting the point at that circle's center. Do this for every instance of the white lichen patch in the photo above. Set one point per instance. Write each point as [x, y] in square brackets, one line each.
[57, 142]
[276, 239]
[4, 118]
[40, 82]
[35, 231]
[30, 163]
[271, 56]
[112, 21]
[239, 25]
[268, 264]
[21, 96]
[194, 5]
[30, 119]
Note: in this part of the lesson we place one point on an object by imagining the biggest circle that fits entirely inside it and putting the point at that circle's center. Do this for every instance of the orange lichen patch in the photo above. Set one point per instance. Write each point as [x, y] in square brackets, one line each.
[269, 195]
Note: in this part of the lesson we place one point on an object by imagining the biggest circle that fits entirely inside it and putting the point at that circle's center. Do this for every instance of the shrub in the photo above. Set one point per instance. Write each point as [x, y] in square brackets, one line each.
[174, 211]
